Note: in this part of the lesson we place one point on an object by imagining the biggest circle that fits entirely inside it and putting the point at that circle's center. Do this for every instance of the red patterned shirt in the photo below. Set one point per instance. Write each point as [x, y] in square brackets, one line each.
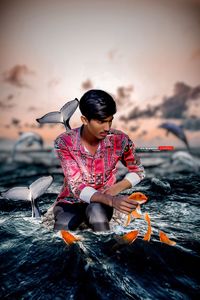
[82, 169]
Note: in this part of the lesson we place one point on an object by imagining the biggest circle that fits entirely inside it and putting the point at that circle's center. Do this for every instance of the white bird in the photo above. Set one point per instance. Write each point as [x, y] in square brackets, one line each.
[63, 116]
[31, 193]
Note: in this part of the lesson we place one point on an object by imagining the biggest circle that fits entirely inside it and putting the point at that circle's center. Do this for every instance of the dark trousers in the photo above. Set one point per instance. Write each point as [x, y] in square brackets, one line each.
[94, 215]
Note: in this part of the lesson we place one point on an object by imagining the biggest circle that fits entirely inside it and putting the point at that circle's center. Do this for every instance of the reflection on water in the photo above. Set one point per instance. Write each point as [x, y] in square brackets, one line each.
[37, 264]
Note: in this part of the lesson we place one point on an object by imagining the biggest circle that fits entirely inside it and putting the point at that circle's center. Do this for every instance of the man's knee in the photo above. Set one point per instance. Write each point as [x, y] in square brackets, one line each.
[67, 217]
[61, 219]
[97, 216]
[96, 213]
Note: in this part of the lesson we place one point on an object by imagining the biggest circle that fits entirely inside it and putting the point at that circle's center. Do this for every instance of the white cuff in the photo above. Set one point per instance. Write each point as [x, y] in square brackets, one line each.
[133, 178]
[87, 193]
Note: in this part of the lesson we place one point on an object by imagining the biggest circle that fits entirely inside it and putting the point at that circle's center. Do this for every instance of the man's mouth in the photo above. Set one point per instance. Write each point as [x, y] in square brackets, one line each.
[103, 134]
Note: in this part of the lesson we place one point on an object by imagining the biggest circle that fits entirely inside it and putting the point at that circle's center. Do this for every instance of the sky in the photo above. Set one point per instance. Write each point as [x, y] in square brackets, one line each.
[145, 53]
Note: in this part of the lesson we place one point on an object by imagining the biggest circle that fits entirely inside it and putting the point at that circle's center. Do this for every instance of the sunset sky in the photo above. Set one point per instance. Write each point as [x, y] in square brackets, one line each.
[146, 53]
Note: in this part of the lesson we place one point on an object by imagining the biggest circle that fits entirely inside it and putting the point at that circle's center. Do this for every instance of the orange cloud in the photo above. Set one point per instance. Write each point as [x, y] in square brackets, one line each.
[54, 82]
[87, 85]
[124, 94]
[6, 106]
[173, 107]
[112, 54]
[16, 76]
[196, 54]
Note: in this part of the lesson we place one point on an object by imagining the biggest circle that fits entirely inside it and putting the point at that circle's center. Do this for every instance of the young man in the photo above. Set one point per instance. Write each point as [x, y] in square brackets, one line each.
[88, 156]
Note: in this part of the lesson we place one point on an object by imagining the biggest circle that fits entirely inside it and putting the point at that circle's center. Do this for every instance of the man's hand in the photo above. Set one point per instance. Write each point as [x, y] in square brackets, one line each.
[124, 204]
[120, 202]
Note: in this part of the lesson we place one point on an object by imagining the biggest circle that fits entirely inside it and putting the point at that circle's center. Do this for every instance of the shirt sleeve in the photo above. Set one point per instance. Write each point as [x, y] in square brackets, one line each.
[132, 161]
[72, 172]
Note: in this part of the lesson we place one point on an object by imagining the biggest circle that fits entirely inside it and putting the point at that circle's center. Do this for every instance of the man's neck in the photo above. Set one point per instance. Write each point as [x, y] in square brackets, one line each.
[87, 138]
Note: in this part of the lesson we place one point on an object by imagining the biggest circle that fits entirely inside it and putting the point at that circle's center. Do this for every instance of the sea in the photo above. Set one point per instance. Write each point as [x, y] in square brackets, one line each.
[37, 264]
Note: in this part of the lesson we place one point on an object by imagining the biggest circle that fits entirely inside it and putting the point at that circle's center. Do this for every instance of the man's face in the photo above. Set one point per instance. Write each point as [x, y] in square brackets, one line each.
[97, 128]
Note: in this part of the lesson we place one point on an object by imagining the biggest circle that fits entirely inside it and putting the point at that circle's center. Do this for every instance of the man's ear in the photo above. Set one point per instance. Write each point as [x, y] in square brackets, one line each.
[84, 120]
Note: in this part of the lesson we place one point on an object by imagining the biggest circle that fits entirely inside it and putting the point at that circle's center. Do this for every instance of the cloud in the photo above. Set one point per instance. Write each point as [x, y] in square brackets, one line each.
[143, 133]
[7, 102]
[17, 76]
[6, 106]
[192, 124]
[112, 54]
[136, 113]
[87, 85]
[173, 107]
[195, 93]
[52, 125]
[32, 108]
[32, 125]
[124, 94]
[38, 126]
[196, 55]
[15, 122]
[10, 97]
[134, 128]
[54, 82]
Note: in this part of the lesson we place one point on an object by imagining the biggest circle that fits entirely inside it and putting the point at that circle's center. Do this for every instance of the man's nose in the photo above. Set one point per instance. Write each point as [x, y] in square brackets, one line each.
[106, 126]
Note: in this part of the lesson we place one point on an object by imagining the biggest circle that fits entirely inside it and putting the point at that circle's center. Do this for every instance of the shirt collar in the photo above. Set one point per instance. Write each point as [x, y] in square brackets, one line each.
[102, 144]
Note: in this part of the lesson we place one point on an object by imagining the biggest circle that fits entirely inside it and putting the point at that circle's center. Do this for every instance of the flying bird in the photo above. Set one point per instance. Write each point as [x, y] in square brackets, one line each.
[176, 130]
[63, 116]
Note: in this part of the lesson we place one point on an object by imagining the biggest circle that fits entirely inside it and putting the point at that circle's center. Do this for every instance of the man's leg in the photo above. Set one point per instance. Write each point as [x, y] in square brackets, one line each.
[69, 216]
[98, 216]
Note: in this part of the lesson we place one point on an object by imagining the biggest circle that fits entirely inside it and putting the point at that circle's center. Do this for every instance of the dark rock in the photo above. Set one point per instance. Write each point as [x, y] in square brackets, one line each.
[160, 186]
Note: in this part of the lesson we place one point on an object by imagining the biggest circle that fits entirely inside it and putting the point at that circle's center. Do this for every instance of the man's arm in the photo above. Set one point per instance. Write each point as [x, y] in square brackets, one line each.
[132, 161]
[136, 171]
[71, 169]
[118, 187]
[120, 202]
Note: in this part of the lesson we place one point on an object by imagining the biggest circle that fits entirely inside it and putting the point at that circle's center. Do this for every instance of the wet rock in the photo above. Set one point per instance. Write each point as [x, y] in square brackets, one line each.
[160, 186]
[186, 161]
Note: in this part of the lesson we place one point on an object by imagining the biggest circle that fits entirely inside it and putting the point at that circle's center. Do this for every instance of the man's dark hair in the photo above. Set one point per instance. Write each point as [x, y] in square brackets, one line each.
[97, 104]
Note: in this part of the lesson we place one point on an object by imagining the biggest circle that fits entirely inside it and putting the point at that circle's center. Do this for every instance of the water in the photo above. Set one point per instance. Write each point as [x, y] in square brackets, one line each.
[37, 264]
